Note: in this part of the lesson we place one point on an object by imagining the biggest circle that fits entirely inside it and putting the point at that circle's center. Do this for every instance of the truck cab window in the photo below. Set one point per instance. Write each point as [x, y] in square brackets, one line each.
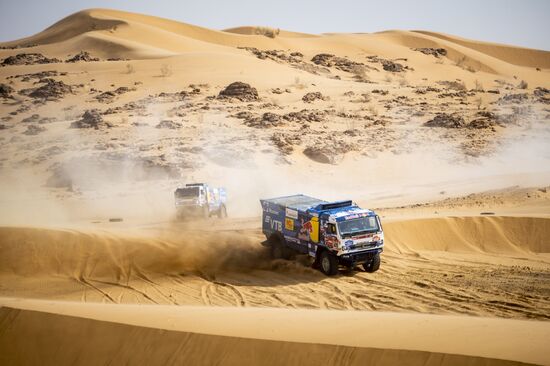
[331, 229]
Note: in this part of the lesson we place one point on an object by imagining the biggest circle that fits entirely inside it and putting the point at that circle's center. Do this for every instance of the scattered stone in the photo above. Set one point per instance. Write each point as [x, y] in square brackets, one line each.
[454, 85]
[317, 154]
[267, 120]
[34, 130]
[341, 63]
[6, 91]
[313, 96]
[244, 115]
[52, 90]
[446, 121]
[82, 56]
[91, 119]
[306, 115]
[167, 123]
[108, 96]
[33, 118]
[241, 91]
[392, 66]
[513, 98]
[285, 143]
[381, 92]
[280, 91]
[432, 51]
[28, 59]
[542, 94]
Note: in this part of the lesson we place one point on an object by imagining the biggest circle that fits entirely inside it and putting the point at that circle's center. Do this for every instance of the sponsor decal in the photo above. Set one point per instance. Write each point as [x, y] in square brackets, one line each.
[274, 224]
[289, 224]
[272, 211]
[293, 214]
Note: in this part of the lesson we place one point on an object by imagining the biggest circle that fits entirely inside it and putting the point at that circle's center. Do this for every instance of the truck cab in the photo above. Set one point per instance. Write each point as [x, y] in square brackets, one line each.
[333, 233]
[199, 199]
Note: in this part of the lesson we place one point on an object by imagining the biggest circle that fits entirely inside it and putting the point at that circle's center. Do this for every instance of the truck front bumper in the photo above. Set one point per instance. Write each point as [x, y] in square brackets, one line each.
[350, 259]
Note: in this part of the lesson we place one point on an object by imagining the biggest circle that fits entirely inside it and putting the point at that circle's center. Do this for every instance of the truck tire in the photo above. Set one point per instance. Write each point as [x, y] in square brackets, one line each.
[373, 265]
[279, 250]
[222, 212]
[328, 263]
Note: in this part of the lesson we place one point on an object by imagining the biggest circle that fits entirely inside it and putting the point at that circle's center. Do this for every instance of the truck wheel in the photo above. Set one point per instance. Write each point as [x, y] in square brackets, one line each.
[373, 265]
[279, 250]
[328, 263]
[222, 212]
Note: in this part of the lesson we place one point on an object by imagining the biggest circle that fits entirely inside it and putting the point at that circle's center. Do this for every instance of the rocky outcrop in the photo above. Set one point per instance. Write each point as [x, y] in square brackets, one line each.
[91, 119]
[6, 91]
[436, 52]
[51, 90]
[313, 96]
[82, 56]
[239, 90]
[445, 120]
[28, 59]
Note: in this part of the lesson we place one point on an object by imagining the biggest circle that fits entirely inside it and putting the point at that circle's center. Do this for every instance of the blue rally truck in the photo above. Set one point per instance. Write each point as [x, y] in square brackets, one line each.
[333, 233]
[200, 200]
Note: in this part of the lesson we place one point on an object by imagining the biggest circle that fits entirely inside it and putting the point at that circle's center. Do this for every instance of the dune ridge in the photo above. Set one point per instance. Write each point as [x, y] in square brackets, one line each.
[379, 337]
[119, 29]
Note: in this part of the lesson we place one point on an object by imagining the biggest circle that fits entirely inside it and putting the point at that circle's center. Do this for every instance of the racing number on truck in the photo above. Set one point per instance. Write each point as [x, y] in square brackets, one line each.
[289, 224]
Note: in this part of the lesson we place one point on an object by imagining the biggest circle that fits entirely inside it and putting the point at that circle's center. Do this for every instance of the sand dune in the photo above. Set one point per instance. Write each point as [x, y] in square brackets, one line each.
[376, 121]
[502, 235]
[88, 334]
[123, 33]
[426, 265]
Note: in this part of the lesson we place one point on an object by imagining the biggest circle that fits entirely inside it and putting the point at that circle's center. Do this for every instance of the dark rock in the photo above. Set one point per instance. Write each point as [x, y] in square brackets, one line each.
[542, 94]
[446, 121]
[90, 119]
[241, 91]
[82, 56]
[52, 90]
[341, 63]
[285, 143]
[513, 98]
[244, 115]
[313, 96]
[267, 120]
[33, 118]
[483, 123]
[305, 115]
[432, 51]
[28, 59]
[392, 66]
[167, 123]
[317, 154]
[5, 91]
[34, 130]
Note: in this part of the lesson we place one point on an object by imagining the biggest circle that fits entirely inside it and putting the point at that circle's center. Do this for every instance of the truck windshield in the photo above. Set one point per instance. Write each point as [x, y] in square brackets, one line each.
[358, 226]
[187, 192]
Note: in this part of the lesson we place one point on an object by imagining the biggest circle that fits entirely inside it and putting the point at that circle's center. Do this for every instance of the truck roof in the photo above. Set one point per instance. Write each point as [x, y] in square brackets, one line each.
[340, 209]
[297, 201]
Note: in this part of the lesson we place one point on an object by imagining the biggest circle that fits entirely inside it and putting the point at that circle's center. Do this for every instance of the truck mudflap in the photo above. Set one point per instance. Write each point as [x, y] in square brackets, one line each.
[350, 259]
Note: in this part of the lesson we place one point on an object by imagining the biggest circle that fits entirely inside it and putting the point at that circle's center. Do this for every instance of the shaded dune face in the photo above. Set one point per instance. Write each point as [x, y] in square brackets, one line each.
[30, 251]
[64, 340]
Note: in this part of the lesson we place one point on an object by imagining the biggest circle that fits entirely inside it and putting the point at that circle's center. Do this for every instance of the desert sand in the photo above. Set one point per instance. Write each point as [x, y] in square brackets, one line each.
[105, 113]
